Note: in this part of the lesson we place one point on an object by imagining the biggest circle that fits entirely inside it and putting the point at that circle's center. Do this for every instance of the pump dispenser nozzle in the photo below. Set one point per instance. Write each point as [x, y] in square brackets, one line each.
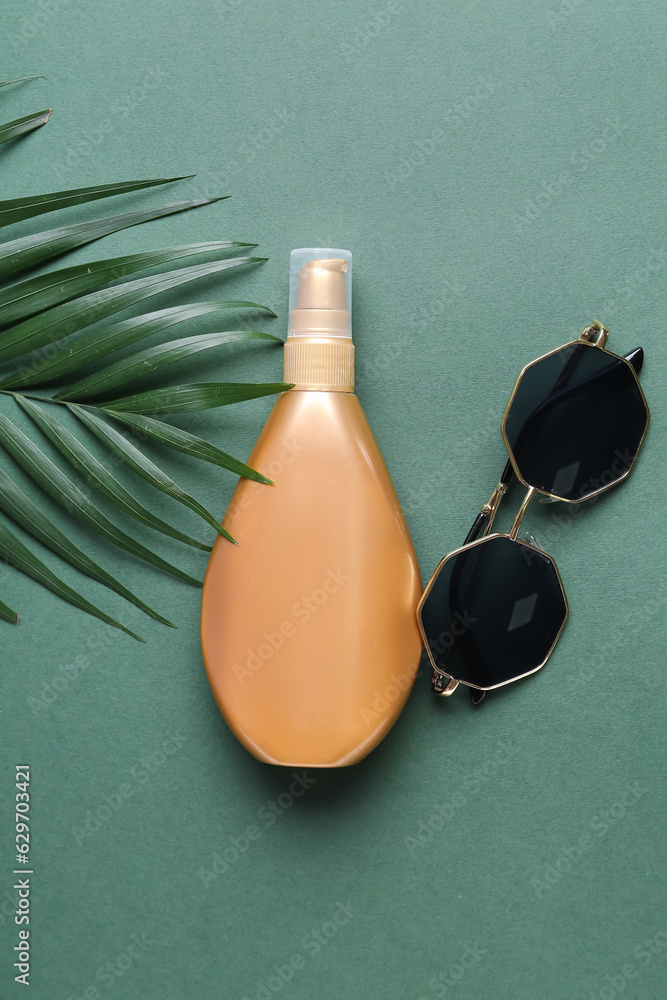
[320, 293]
[319, 353]
[322, 284]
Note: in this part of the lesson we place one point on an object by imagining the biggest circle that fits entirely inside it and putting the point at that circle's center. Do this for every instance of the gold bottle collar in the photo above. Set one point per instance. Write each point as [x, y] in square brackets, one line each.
[320, 363]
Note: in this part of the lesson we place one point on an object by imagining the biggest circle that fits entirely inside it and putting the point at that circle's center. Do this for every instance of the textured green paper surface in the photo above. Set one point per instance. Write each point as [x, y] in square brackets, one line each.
[498, 172]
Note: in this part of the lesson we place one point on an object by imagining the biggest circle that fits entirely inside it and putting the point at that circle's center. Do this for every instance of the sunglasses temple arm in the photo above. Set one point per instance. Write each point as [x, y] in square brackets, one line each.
[484, 520]
[482, 525]
[636, 359]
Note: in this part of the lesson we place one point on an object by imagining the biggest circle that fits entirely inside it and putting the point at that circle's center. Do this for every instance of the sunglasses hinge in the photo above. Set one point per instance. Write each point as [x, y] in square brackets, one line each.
[597, 334]
[491, 506]
[443, 685]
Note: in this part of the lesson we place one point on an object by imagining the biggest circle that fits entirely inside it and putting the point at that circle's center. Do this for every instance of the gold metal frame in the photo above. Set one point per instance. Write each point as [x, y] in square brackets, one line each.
[455, 681]
[594, 336]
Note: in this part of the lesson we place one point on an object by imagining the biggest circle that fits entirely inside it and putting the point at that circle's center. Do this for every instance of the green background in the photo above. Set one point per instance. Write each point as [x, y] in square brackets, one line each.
[497, 171]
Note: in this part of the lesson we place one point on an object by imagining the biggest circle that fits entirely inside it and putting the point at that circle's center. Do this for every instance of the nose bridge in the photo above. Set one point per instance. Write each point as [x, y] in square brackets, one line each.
[514, 530]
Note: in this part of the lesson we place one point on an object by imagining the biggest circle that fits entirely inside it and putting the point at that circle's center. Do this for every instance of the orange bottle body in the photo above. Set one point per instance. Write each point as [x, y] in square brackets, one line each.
[308, 626]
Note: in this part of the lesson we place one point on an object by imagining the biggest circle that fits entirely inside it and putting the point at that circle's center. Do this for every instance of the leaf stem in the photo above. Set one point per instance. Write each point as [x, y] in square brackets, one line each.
[30, 395]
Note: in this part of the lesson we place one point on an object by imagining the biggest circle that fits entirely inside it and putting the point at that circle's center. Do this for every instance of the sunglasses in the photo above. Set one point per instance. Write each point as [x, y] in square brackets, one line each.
[495, 608]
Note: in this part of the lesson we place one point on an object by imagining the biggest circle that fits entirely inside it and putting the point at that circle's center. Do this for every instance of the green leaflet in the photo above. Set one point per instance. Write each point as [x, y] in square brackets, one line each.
[6, 612]
[18, 209]
[180, 440]
[135, 366]
[57, 485]
[16, 553]
[143, 466]
[94, 473]
[35, 295]
[21, 509]
[21, 79]
[12, 130]
[65, 319]
[75, 354]
[29, 251]
[197, 396]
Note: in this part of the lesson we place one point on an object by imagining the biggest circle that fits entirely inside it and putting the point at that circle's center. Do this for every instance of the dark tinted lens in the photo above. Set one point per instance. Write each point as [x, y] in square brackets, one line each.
[576, 421]
[493, 612]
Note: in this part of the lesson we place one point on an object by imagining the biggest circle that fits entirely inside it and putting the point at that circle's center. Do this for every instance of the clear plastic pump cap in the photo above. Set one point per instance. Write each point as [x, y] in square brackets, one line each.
[320, 293]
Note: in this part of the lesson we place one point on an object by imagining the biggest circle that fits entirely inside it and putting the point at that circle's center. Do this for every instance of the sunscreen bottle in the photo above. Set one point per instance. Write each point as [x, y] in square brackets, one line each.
[308, 625]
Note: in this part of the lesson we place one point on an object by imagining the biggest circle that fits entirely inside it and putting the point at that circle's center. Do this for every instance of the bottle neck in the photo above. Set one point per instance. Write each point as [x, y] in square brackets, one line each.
[325, 364]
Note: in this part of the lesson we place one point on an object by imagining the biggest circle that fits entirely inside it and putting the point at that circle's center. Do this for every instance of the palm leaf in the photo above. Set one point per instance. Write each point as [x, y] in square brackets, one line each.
[29, 251]
[54, 482]
[135, 366]
[19, 209]
[180, 440]
[12, 130]
[76, 354]
[6, 612]
[198, 396]
[24, 512]
[143, 466]
[45, 321]
[35, 295]
[70, 317]
[21, 79]
[17, 554]
[94, 473]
